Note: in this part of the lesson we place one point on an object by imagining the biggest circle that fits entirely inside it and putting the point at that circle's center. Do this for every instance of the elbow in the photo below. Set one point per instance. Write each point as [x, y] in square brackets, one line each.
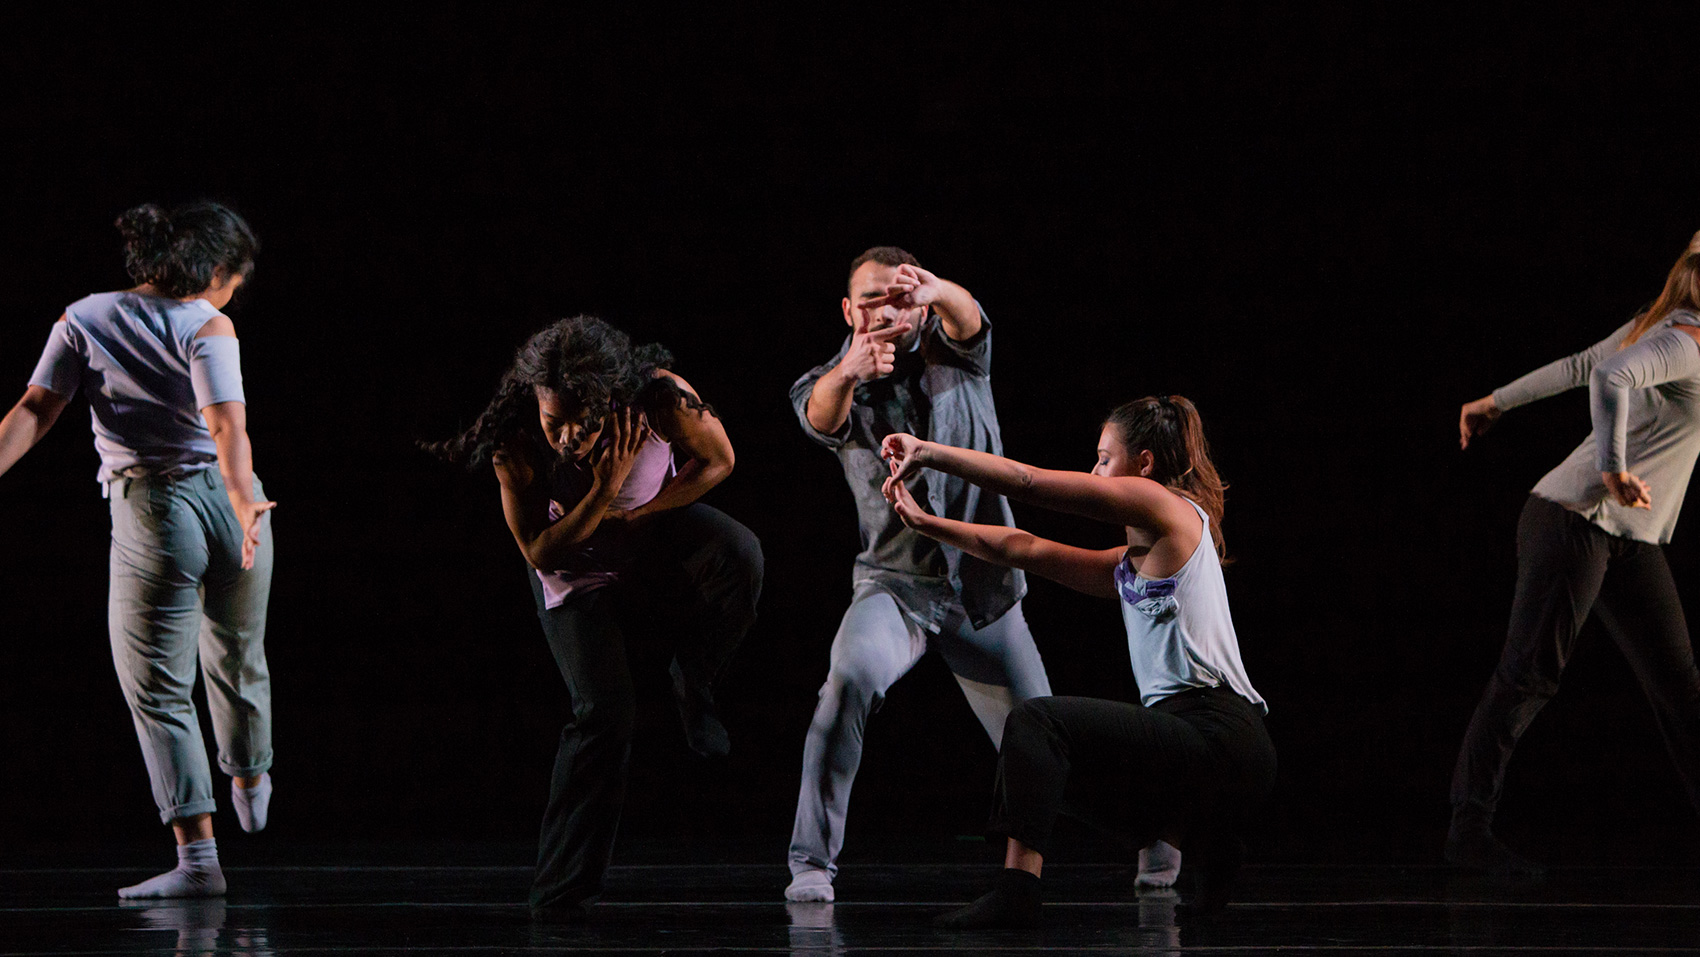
[1611, 377]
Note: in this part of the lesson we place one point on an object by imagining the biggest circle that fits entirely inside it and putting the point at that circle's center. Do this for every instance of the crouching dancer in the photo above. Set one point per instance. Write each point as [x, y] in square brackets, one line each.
[1190, 760]
[582, 434]
[191, 563]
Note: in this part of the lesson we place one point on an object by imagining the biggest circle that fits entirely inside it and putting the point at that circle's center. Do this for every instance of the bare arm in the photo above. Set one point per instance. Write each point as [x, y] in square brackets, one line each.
[525, 496]
[872, 353]
[228, 423]
[1082, 569]
[28, 421]
[709, 451]
[1120, 500]
[914, 287]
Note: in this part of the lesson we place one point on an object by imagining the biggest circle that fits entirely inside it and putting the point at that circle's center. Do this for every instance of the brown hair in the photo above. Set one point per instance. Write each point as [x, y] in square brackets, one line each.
[885, 256]
[1169, 428]
[1682, 291]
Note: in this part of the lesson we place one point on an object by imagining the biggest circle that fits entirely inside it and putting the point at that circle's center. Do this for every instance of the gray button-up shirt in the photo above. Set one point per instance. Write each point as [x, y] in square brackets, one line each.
[941, 390]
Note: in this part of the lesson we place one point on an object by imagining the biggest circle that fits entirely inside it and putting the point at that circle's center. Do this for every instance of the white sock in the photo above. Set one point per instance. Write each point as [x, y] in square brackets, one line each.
[252, 803]
[811, 885]
[197, 874]
[1159, 865]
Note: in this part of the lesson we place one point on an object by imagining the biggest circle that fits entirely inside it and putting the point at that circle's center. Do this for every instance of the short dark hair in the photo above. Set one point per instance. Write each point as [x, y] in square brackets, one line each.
[180, 251]
[885, 256]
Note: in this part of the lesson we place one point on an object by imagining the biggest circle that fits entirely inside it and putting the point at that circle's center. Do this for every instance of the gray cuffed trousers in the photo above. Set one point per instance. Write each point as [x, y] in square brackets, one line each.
[997, 666]
[180, 598]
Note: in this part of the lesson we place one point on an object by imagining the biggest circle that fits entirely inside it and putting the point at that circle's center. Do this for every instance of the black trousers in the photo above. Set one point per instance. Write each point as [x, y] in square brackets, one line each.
[1195, 763]
[706, 569]
[1566, 568]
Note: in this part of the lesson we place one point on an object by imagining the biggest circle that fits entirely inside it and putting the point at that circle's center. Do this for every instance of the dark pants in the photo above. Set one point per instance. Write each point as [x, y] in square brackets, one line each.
[1567, 567]
[1194, 763]
[704, 568]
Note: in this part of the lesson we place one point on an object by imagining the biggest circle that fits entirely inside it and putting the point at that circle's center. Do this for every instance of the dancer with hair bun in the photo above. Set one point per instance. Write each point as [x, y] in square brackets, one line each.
[191, 560]
[1589, 541]
[582, 434]
[1192, 759]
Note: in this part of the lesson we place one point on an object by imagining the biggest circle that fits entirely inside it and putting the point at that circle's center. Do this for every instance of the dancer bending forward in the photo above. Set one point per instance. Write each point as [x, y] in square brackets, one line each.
[1190, 760]
[1589, 541]
[191, 562]
[582, 434]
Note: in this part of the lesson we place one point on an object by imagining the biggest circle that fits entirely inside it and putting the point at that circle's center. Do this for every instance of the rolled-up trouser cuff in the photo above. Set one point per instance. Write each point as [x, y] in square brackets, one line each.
[259, 766]
[191, 809]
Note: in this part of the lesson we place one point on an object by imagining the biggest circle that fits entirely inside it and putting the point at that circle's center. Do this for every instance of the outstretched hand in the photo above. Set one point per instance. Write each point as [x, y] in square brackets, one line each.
[1627, 489]
[911, 288]
[1475, 419]
[903, 453]
[249, 516]
[904, 504]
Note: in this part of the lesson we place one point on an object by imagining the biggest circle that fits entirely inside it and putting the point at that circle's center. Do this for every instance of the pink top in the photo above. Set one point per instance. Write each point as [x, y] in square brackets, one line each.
[608, 551]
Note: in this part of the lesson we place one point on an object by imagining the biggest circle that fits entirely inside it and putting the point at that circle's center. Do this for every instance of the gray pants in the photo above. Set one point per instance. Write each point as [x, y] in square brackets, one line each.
[180, 597]
[997, 666]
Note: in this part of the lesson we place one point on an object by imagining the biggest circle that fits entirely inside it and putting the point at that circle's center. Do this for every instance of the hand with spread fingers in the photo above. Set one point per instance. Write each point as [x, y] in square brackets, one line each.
[911, 288]
[904, 504]
[873, 350]
[1627, 489]
[615, 461]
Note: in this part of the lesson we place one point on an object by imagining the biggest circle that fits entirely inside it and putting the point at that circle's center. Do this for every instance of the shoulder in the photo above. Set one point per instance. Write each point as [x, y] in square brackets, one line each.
[218, 324]
[517, 465]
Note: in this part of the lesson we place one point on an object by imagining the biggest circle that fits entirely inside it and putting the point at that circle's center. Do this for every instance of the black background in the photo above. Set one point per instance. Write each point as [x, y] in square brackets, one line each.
[1327, 228]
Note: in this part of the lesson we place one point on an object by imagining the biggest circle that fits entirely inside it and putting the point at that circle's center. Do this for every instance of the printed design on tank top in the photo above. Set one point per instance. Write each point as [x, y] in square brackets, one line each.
[1152, 597]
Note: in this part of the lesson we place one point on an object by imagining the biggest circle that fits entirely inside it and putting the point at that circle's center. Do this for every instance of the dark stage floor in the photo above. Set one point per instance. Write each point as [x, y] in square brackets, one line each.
[468, 902]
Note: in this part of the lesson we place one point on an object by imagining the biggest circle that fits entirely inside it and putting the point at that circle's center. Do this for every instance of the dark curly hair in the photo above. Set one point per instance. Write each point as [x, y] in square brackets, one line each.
[180, 252]
[587, 362]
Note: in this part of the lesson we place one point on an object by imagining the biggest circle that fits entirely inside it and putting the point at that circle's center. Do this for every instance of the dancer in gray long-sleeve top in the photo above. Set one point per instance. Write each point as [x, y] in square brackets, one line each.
[918, 361]
[1589, 540]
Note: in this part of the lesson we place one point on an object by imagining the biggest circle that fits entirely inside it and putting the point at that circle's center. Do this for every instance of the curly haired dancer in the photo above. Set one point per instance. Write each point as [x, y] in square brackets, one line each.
[582, 434]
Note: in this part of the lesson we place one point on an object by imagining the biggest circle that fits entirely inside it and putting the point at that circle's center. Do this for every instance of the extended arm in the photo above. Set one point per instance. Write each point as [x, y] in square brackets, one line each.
[1082, 569]
[1119, 500]
[703, 439]
[28, 421]
[1560, 375]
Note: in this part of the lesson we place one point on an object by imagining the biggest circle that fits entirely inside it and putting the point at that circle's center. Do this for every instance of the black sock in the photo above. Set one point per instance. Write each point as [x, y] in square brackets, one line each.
[1012, 902]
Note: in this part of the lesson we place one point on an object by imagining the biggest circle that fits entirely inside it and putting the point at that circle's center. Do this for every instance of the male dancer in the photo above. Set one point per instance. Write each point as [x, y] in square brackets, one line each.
[918, 360]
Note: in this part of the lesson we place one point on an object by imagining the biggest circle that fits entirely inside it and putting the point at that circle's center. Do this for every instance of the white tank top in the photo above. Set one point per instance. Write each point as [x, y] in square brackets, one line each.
[1180, 634]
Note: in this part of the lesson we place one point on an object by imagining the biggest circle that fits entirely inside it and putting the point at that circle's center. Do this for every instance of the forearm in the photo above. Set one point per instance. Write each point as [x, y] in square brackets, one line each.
[957, 311]
[549, 547]
[20, 430]
[236, 465]
[691, 483]
[998, 544]
[1560, 375]
[993, 473]
[26, 423]
[829, 402]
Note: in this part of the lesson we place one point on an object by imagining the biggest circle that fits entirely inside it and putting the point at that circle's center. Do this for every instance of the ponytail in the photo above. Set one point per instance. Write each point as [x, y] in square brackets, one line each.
[1170, 429]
